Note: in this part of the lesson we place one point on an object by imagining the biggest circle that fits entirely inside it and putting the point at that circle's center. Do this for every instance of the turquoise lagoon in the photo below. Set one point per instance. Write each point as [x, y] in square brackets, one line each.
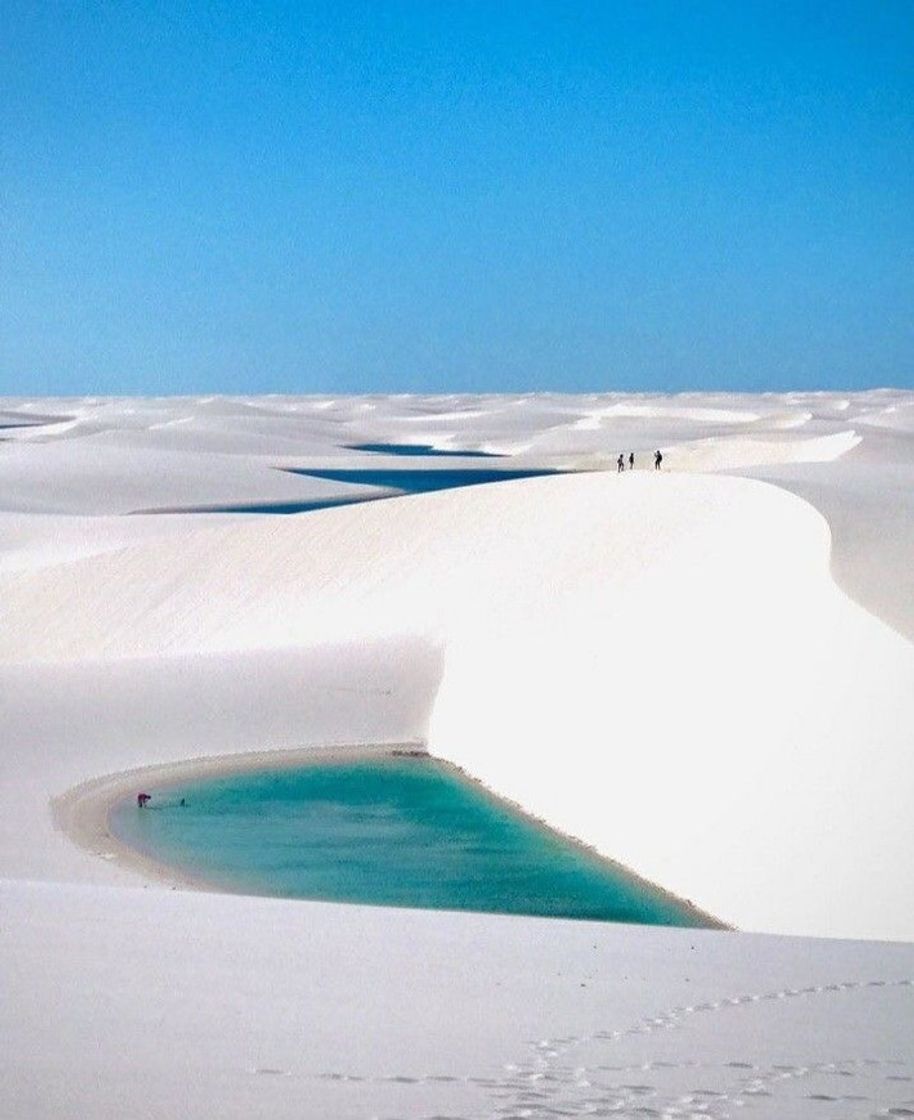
[388, 830]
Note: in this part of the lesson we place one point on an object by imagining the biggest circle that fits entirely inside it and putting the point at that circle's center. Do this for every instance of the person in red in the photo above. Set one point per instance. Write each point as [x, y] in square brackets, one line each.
[141, 799]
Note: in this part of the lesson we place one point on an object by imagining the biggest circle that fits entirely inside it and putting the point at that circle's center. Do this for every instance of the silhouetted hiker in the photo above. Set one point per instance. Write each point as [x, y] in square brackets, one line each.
[631, 461]
[620, 464]
[141, 799]
[658, 459]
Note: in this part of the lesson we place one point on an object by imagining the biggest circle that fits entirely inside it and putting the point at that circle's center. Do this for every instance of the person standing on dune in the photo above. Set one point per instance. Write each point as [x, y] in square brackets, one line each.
[620, 464]
[631, 460]
[658, 459]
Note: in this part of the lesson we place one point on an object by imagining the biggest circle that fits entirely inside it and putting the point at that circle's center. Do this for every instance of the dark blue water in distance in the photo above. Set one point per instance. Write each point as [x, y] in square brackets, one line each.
[386, 831]
[278, 507]
[408, 481]
[411, 481]
[423, 449]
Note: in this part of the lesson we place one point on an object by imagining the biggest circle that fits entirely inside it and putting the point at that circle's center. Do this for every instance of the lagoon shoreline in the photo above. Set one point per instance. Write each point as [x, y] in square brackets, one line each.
[84, 813]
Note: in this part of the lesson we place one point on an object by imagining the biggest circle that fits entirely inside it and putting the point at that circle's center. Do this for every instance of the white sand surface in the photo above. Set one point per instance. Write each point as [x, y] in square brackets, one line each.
[150, 1003]
[699, 673]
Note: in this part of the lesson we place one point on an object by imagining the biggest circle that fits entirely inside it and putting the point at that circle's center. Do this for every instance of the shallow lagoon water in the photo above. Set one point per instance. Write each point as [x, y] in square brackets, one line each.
[391, 831]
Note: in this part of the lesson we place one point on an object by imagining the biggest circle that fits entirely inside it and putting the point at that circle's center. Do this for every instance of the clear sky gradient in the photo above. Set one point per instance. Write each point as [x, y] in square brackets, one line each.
[437, 196]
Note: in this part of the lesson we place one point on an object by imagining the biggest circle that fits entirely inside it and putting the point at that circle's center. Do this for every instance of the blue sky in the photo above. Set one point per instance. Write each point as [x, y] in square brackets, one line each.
[455, 196]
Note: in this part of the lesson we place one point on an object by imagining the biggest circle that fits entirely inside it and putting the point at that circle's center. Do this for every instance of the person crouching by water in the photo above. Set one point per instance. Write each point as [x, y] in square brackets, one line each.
[141, 799]
[658, 459]
[620, 464]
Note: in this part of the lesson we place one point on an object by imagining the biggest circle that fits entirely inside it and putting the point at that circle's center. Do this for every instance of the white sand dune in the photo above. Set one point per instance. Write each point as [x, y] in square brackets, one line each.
[84, 477]
[696, 673]
[663, 410]
[566, 608]
[717, 454]
[129, 1002]
[869, 503]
